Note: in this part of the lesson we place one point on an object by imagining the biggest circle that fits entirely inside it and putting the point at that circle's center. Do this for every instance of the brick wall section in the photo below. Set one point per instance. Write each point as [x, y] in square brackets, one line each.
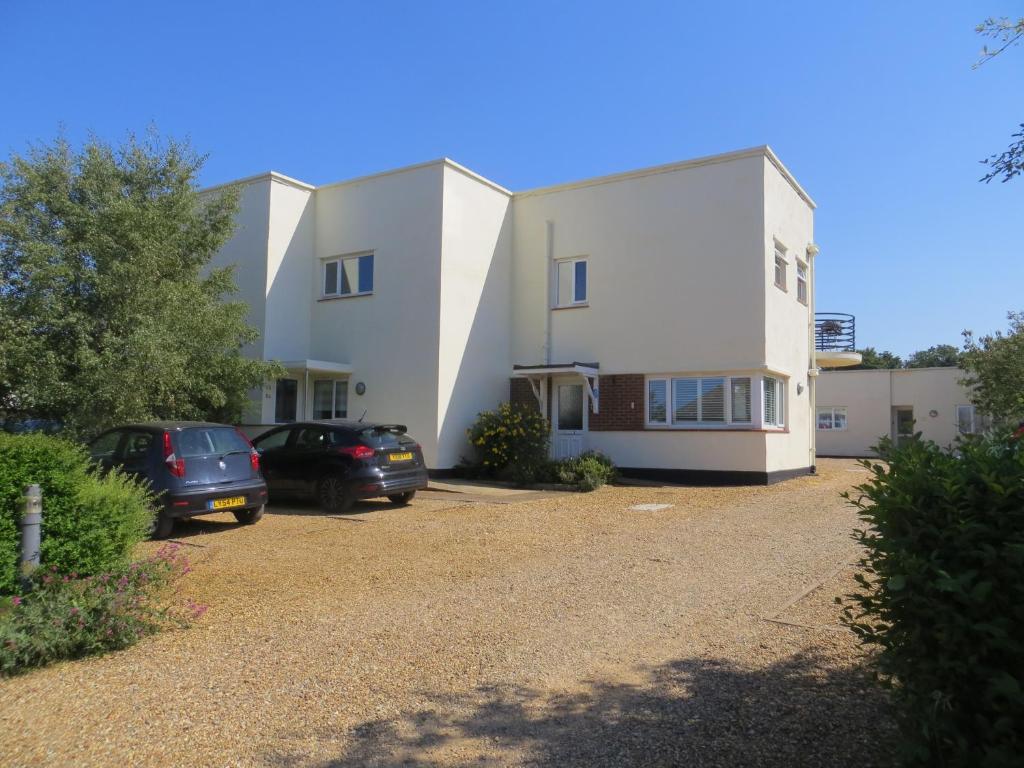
[622, 401]
[520, 393]
[621, 404]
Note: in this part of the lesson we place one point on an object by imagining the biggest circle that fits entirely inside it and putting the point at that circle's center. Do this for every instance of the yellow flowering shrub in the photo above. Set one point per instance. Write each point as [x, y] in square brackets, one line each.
[512, 440]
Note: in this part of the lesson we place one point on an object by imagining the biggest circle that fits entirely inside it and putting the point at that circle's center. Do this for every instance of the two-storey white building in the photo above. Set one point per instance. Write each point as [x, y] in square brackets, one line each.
[662, 316]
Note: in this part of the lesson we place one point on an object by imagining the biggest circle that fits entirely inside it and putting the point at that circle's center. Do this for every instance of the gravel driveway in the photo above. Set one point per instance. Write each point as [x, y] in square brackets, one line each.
[557, 631]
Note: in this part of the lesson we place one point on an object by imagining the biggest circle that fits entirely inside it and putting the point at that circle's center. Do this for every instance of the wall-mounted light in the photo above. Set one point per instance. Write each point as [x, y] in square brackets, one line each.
[799, 387]
[360, 388]
[933, 413]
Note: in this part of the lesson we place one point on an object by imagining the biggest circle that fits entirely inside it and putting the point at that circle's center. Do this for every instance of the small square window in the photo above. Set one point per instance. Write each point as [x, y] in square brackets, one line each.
[570, 282]
[348, 276]
[780, 270]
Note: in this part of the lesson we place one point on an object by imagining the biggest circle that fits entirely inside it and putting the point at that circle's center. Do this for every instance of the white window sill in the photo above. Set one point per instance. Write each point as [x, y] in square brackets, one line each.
[345, 296]
[581, 305]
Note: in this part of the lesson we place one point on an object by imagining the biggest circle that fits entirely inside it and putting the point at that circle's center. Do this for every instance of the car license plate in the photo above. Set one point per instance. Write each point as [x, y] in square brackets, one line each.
[400, 456]
[234, 501]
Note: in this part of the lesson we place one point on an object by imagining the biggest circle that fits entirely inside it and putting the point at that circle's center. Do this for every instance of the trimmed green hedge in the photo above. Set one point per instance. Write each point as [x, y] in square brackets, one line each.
[90, 523]
[943, 596]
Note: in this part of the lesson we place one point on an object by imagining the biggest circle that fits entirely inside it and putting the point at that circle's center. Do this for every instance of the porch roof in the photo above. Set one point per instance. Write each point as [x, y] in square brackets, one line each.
[318, 366]
[584, 369]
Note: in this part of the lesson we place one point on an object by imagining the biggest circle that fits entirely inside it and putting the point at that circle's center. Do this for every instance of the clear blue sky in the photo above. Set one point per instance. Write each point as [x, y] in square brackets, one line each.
[873, 106]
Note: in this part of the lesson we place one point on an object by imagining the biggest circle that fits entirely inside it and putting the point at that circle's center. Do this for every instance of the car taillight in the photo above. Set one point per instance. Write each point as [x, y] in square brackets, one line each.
[175, 465]
[254, 455]
[357, 451]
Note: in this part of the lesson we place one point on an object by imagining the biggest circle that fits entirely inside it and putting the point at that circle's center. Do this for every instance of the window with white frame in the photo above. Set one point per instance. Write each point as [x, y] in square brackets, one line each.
[698, 401]
[831, 418]
[801, 282]
[781, 264]
[330, 399]
[570, 282]
[966, 421]
[774, 401]
[348, 276]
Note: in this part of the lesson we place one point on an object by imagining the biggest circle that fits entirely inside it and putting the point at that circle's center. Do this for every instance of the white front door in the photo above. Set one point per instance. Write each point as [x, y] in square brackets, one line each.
[570, 422]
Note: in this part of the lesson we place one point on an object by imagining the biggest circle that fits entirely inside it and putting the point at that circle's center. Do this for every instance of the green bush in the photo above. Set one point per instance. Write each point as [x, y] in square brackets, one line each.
[65, 617]
[943, 596]
[511, 442]
[90, 523]
[587, 472]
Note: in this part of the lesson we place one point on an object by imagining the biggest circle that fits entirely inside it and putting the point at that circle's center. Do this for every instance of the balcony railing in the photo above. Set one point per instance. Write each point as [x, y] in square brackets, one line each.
[834, 332]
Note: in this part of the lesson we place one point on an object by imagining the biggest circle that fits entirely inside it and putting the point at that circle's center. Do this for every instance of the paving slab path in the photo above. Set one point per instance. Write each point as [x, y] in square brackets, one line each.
[565, 630]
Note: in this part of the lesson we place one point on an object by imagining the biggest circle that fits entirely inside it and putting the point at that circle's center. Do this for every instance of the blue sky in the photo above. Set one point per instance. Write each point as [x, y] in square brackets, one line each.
[873, 106]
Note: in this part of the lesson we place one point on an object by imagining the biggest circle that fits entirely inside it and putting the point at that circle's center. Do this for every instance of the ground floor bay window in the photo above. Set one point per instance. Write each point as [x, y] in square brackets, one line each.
[745, 401]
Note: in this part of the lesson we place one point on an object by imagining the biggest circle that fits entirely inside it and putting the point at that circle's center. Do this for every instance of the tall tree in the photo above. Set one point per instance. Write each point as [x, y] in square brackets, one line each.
[109, 311]
[872, 358]
[939, 356]
[995, 367]
[1005, 32]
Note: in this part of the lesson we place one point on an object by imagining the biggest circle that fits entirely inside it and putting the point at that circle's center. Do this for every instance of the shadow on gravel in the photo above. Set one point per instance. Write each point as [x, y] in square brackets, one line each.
[691, 712]
[304, 507]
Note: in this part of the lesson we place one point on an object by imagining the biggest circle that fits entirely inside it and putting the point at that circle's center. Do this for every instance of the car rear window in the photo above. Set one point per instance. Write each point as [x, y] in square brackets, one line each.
[385, 438]
[209, 441]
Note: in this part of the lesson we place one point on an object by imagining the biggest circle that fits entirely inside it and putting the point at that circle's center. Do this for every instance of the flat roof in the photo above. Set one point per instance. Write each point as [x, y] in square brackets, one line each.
[724, 157]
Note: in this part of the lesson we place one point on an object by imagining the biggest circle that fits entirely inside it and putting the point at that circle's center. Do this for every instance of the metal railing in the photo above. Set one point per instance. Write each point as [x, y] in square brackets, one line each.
[834, 332]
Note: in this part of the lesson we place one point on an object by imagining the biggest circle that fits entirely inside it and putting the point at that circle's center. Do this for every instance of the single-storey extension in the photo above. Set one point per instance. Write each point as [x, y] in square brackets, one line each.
[857, 407]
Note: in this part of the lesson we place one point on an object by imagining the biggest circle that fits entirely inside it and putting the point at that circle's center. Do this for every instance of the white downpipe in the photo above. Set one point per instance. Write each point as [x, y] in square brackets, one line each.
[550, 266]
[812, 380]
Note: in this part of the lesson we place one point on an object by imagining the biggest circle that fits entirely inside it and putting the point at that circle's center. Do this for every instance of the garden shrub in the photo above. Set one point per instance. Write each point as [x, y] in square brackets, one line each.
[587, 472]
[68, 616]
[90, 523]
[943, 596]
[511, 442]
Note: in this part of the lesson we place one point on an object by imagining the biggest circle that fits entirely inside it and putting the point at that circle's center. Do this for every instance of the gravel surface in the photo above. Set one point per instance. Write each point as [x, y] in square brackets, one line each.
[559, 630]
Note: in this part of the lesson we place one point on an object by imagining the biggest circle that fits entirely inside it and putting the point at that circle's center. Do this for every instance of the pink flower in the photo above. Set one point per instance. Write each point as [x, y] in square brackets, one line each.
[17, 600]
[74, 610]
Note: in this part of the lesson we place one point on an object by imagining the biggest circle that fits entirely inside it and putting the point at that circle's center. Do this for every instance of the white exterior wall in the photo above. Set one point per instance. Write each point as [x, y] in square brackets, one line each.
[789, 219]
[680, 263]
[870, 396]
[674, 282]
[474, 353]
[247, 252]
[390, 338]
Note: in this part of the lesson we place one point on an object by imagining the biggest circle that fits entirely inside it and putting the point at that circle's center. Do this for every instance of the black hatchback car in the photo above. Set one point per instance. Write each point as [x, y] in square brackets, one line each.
[195, 468]
[337, 461]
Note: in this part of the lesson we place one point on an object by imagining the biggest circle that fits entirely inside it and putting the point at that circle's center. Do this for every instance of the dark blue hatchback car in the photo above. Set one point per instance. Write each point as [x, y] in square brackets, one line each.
[337, 461]
[195, 468]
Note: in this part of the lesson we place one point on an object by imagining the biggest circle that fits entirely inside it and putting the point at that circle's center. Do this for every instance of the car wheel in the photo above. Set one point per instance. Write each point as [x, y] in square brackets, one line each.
[163, 525]
[333, 494]
[401, 499]
[249, 516]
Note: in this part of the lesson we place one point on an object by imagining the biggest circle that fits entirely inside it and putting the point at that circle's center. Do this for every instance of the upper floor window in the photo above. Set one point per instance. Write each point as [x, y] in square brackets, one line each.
[570, 282]
[832, 418]
[348, 276]
[774, 401]
[781, 263]
[801, 282]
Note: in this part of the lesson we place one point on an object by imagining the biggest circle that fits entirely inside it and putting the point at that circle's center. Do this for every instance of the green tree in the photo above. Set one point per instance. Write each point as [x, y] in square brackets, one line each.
[995, 368]
[109, 311]
[872, 358]
[939, 356]
[1006, 32]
